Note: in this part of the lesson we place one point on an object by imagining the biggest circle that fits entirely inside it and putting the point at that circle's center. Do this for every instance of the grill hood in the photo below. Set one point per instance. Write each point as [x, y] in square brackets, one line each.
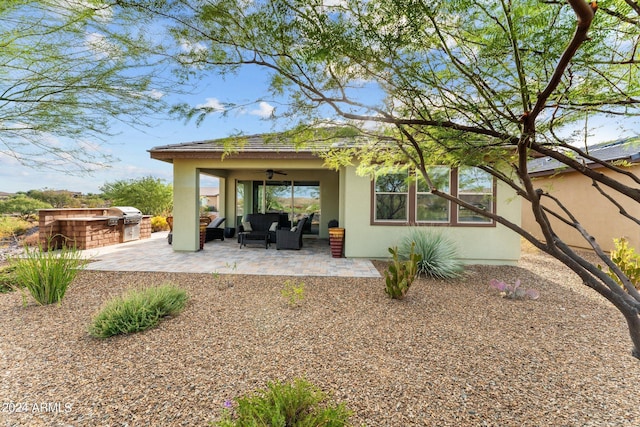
[124, 211]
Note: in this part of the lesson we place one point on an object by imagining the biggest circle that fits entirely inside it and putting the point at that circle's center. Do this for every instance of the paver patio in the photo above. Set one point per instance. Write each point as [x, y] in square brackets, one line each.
[226, 257]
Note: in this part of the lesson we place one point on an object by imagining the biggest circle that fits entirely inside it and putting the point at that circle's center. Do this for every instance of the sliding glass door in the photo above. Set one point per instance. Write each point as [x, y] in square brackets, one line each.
[297, 199]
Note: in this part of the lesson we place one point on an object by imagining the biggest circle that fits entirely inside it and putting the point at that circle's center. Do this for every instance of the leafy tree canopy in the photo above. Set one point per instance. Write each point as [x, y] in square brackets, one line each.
[68, 71]
[22, 205]
[57, 199]
[151, 195]
[460, 82]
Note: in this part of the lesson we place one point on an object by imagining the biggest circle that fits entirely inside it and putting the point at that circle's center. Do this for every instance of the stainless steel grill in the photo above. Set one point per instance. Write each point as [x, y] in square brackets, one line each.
[131, 218]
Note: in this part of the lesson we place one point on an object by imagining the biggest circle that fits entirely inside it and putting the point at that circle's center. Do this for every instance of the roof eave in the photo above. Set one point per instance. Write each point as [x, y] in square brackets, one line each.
[218, 155]
[546, 172]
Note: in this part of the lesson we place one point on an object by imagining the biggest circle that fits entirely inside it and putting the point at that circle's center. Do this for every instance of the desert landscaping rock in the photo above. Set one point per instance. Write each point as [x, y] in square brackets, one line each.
[453, 353]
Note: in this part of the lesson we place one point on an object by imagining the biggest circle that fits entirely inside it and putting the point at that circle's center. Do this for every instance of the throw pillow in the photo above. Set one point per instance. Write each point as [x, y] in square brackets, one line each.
[247, 226]
[294, 228]
[274, 226]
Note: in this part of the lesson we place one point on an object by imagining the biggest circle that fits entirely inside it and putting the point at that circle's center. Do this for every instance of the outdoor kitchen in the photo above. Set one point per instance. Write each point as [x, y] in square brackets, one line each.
[90, 228]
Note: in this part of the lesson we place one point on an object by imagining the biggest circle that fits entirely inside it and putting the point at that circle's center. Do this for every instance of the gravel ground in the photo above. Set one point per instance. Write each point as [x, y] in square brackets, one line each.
[451, 354]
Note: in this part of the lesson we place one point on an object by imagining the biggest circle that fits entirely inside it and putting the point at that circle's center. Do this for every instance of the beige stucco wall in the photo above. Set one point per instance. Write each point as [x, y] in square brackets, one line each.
[477, 245]
[344, 196]
[597, 215]
[186, 206]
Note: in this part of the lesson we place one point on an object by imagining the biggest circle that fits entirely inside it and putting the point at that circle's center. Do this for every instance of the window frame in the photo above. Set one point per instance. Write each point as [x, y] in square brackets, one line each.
[453, 207]
[460, 195]
[406, 193]
[419, 193]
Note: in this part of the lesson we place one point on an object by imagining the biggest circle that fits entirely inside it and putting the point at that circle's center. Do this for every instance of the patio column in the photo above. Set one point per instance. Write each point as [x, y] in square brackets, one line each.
[186, 204]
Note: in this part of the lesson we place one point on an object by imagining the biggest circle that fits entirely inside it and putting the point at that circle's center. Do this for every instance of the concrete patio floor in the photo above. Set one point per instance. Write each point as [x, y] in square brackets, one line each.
[226, 257]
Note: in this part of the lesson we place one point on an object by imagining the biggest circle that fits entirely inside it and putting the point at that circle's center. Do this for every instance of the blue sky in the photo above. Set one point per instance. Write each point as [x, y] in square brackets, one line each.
[130, 145]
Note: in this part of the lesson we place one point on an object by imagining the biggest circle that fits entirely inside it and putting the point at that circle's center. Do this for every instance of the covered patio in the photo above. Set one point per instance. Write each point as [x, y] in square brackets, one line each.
[226, 257]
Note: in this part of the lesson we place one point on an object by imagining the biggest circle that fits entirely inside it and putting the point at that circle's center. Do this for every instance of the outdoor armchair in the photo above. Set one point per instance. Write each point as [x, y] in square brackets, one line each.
[290, 239]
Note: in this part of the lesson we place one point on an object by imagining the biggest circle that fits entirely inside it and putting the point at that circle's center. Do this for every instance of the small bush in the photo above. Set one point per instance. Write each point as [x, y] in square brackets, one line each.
[626, 258]
[137, 311]
[159, 223]
[293, 294]
[295, 404]
[439, 255]
[515, 291]
[400, 274]
[12, 226]
[46, 275]
[8, 279]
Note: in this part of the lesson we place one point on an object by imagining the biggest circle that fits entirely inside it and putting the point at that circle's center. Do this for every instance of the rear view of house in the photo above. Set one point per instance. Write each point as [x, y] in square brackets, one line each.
[265, 173]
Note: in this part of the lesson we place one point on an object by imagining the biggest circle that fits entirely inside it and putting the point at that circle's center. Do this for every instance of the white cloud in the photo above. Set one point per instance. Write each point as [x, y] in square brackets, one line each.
[265, 110]
[211, 104]
[155, 94]
[190, 47]
[101, 47]
[334, 3]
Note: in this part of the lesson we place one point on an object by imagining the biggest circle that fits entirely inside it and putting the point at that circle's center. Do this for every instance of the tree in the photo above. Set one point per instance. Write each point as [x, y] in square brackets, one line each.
[57, 199]
[151, 195]
[68, 70]
[479, 83]
[23, 205]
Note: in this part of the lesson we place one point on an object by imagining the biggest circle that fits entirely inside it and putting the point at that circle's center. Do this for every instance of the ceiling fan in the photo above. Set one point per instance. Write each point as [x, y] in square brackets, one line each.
[271, 172]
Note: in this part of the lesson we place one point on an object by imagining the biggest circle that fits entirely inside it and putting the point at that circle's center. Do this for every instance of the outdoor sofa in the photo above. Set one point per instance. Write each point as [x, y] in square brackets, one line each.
[258, 226]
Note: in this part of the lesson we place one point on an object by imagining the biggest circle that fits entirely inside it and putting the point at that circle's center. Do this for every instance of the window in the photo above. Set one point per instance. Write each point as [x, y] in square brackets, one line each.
[295, 198]
[391, 197]
[431, 208]
[396, 201]
[475, 187]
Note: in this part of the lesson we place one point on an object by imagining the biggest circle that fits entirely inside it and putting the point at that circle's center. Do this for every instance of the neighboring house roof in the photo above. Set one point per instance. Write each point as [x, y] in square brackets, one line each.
[209, 191]
[623, 149]
[252, 146]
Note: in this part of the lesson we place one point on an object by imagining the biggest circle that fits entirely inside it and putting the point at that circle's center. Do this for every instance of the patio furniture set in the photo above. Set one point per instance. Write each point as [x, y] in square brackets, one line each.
[271, 228]
[265, 228]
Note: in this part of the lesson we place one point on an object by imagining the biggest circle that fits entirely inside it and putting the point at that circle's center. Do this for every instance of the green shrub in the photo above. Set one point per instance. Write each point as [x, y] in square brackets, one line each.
[295, 404]
[8, 278]
[293, 294]
[137, 311]
[401, 273]
[22, 205]
[439, 255]
[626, 258]
[46, 275]
[159, 223]
[12, 226]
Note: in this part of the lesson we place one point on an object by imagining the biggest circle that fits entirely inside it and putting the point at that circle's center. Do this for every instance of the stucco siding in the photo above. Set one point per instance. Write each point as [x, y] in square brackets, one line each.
[481, 245]
[186, 206]
[597, 215]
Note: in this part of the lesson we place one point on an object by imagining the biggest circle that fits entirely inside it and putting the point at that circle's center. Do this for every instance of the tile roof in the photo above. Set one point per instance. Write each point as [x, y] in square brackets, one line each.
[245, 146]
[622, 149]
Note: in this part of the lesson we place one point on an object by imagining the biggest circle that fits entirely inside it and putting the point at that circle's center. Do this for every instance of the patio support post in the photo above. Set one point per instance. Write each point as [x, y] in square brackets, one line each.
[186, 203]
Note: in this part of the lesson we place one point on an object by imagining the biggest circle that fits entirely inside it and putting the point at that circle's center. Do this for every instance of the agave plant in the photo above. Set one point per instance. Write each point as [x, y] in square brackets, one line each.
[438, 253]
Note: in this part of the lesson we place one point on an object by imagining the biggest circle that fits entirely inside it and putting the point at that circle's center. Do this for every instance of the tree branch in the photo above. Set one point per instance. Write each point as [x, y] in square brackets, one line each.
[584, 13]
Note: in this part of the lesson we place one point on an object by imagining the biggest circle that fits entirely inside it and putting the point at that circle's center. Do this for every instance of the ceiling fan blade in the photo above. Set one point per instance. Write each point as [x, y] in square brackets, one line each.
[271, 172]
